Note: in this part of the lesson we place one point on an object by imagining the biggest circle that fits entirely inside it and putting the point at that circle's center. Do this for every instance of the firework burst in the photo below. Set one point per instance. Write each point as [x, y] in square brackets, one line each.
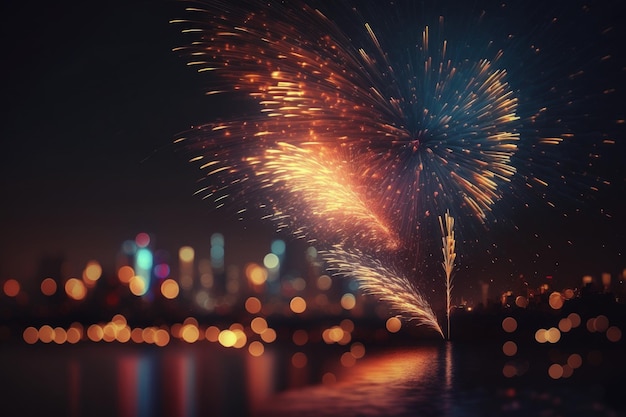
[425, 122]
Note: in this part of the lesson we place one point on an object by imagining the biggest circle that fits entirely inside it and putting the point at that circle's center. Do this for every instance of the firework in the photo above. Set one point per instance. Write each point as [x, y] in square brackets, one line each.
[385, 283]
[449, 255]
[425, 122]
[320, 189]
[359, 132]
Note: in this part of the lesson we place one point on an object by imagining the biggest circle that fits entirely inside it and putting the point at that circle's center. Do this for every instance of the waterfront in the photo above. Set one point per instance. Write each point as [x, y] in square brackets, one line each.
[435, 379]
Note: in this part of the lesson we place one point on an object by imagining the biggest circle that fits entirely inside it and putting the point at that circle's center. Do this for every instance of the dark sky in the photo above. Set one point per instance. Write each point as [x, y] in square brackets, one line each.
[93, 98]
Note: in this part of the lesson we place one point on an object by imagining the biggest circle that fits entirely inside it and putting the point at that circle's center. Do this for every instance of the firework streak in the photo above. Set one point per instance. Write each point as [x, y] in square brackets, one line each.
[385, 283]
[345, 139]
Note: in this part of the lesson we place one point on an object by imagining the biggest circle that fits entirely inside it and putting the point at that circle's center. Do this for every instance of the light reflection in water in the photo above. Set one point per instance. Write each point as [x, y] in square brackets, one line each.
[193, 380]
[388, 384]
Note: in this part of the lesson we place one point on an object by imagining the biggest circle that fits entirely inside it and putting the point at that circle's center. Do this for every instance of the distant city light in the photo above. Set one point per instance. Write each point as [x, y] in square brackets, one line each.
[509, 348]
[271, 261]
[227, 338]
[357, 349]
[278, 247]
[256, 348]
[300, 337]
[75, 289]
[162, 270]
[299, 360]
[253, 305]
[258, 325]
[142, 240]
[393, 325]
[212, 333]
[92, 272]
[256, 274]
[169, 289]
[125, 274]
[269, 335]
[348, 301]
[137, 286]
[324, 282]
[186, 254]
[48, 286]
[297, 305]
[11, 287]
[509, 324]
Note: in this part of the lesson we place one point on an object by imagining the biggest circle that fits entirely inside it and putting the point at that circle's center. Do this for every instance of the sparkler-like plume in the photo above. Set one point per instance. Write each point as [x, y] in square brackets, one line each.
[321, 189]
[388, 285]
[449, 255]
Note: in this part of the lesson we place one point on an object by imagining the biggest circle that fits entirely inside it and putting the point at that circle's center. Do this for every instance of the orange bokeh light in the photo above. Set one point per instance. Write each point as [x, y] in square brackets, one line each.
[11, 287]
[170, 289]
[125, 274]
[253, 305]
[48, 286]
[75, 289]
[393, 325]
[297, 305]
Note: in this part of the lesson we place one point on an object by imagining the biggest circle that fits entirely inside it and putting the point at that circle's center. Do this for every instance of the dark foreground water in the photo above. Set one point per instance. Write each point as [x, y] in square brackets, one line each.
[444, 379]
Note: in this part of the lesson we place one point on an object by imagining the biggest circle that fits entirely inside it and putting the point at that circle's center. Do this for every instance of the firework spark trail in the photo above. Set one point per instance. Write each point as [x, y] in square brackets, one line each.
[386, 284]
[427, 123]
[321, 190]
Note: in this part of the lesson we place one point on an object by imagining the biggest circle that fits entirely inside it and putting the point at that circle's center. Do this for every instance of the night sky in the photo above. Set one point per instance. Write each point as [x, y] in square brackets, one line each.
[93, 98]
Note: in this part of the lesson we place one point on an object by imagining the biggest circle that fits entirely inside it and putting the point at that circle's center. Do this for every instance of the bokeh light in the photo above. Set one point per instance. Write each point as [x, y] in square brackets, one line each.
[271, 261]
[297, 305]
[347, 360]
[92, 272]
[357, 349]
[258, 325]
[324, 282]
[393, 325]
[299, 360]
[575, 361]
[269, 335]
[142, 240]
[509, 348]
[75, 289]
[256, 274]
[170, 289]
[186, 254]
[46, 333]
[48, 286]
[212, 333]
[300, 337]
[614, 334]
[30, 335]
[11, 287]
[137, 286]
[509, 324]
[556, 300]
[575, 319]
[555, 371]
[256, 348]
[227, 338]
[125, 274]
[253, 305]
[348, 301]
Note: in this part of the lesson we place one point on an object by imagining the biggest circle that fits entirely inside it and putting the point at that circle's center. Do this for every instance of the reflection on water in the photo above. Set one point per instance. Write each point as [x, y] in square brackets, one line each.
[374, 387]
[193, 380]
